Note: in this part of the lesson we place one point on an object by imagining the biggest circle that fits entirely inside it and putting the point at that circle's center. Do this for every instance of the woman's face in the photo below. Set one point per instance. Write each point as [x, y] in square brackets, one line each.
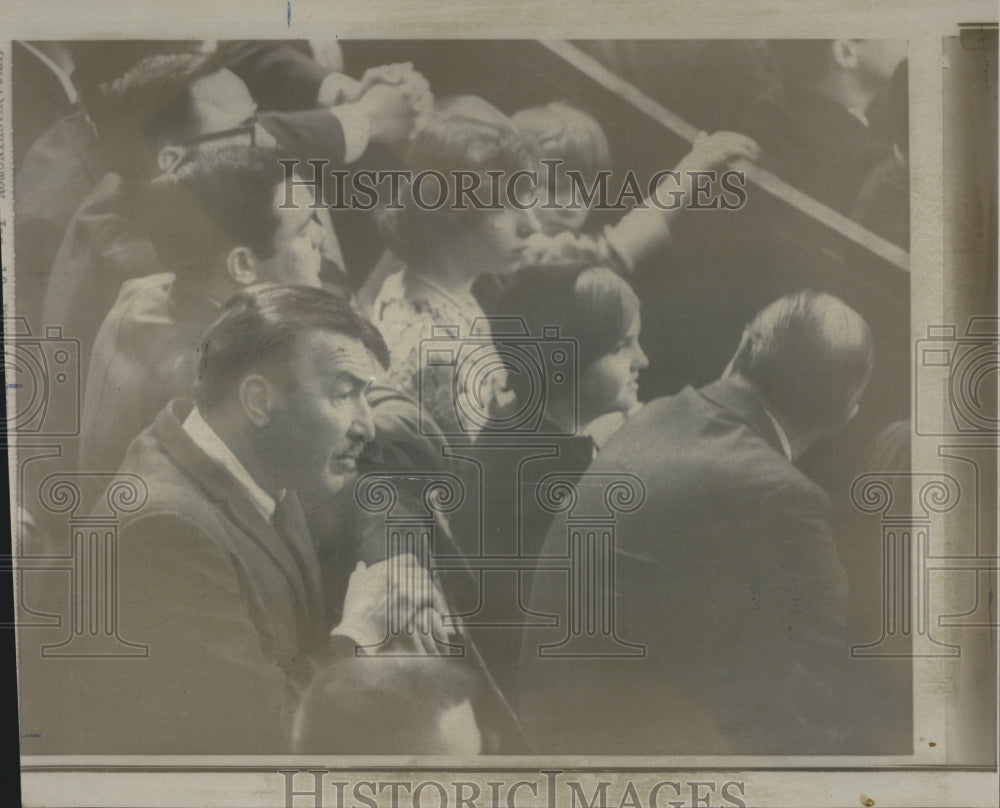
[611, 384]
[500, 237]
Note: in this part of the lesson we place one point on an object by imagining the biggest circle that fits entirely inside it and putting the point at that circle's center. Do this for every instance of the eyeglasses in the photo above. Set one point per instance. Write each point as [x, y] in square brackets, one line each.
[246, 127]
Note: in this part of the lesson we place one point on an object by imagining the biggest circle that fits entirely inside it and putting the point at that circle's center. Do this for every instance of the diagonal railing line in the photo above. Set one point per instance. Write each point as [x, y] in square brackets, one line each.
[765, 180]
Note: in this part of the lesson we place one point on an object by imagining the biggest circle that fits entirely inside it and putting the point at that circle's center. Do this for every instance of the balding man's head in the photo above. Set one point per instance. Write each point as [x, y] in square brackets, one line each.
[810, 356]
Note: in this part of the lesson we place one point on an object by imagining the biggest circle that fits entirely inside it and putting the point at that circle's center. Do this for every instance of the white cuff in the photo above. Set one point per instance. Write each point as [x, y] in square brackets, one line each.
[356, 635]
[337, 88]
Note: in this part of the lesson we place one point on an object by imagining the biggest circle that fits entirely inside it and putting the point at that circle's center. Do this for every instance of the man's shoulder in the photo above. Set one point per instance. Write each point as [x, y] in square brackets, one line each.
[172, 489]
[701, 445]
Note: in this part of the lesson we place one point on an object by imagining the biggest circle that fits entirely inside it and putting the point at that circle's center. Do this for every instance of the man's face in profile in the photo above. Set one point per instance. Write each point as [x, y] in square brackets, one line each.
[296, 256]
[322, 419]
[878, 58]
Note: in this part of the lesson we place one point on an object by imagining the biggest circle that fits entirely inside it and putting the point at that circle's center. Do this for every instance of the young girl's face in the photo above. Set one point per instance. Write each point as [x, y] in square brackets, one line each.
[501, 236]
[611, 384]
[559, 209]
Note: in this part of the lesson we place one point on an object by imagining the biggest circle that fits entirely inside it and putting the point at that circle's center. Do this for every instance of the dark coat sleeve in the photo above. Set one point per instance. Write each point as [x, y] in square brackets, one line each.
[207, 685]
[314, 134]
[278, 76]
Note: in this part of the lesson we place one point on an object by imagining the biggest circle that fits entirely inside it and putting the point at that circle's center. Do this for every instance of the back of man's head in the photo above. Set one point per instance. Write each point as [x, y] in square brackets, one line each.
[221, 199]
[810, 356]
[385, 705]
[148, 107]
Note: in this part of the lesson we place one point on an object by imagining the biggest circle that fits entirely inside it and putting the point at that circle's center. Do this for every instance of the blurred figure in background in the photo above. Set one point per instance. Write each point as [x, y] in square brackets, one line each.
[883, 203]
[560, 131]
[814, 129]
[64, 162]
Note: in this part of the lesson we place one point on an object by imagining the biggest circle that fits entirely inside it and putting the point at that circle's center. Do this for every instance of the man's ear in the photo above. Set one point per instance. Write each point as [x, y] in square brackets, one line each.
[257, 397]
[168, 157]
[845, 53]
[242, 266]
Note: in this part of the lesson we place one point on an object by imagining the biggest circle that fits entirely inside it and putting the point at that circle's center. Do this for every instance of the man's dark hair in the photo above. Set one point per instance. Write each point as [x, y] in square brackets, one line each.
[807, 353]
[380, 705]
[222, 198]
[99, 62]
[147, 108]
[259, 326]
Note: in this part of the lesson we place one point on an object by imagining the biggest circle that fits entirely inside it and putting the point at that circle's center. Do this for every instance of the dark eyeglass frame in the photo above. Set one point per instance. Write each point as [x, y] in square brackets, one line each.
[247, 127]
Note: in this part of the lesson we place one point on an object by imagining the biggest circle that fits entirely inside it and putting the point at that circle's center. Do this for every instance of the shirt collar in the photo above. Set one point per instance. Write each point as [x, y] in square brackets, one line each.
[786, 447]
[208, 440]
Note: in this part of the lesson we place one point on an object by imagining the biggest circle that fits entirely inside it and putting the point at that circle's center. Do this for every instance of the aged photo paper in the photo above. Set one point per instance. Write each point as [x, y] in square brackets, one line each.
[525, 404]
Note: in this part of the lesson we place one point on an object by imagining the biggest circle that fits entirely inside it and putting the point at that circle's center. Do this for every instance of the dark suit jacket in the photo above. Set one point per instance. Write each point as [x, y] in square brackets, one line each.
[815, 144]
[727, 574]
[279, 75]
[232, 613]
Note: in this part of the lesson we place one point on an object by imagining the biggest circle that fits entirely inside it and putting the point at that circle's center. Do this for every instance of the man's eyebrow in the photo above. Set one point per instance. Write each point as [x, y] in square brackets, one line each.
[352, 378]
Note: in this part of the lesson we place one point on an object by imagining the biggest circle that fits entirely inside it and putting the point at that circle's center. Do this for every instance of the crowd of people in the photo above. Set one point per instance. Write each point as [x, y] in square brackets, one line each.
[250, 354]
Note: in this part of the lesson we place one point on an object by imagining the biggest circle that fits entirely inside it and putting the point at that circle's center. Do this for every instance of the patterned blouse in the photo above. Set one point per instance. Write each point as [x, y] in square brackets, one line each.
[441, 352]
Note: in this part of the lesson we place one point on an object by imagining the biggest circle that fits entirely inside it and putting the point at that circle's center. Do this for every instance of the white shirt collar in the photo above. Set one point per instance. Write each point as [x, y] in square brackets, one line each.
[61, 75]
[211, 444]
[786, 447]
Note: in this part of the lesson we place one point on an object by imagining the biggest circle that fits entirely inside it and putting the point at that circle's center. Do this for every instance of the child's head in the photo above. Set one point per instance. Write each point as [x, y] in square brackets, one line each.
[560, 131]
